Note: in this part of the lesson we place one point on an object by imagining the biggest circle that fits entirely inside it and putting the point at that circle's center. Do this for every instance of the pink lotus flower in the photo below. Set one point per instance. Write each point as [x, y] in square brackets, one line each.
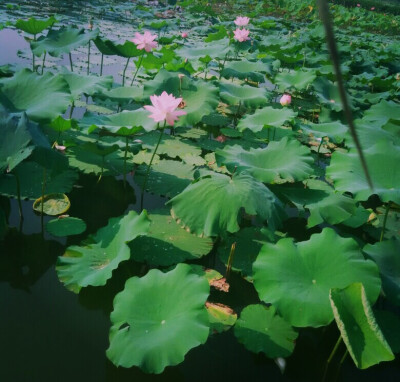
[145, 41]
[241, 21]
[286, 99]
[184, 35]
[358, 5]
[164, 108]
[241, 34]
[373, 9]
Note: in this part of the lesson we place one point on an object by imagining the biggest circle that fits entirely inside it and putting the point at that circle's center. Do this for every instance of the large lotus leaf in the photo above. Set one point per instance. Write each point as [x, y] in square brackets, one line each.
[167, 243]
[14, 142]
[60, 124]
[245, 69]
[296, 278]
[105, 47]
[248, 242]
[43, 98]
[63, 40]
[124, 123]
[382, 162]
[386, 255]
[298, 79]
[280, 162]
[93, 264]
[88, 85]
[246, 95]
[213, 204]
[200, 97]
[380, 114]
[356, 322]
[267, 116]
[34, 26]
[127, 49]
[30, 175]
[328, 93]
[122, 94]
[215, 49]
[158, 318]
[260, 329]
[322, 201]
[334, 130]
[166, 178]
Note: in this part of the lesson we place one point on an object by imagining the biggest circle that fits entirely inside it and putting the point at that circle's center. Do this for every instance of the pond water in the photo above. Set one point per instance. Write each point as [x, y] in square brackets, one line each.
[48, 333]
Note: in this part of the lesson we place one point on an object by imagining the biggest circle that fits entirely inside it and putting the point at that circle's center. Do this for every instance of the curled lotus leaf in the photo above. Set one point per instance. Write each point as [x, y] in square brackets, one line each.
[158, 318]
[53, 204]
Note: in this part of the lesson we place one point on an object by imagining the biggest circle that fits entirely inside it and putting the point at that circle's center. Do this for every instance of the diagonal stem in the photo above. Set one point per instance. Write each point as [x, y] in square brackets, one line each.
[137, 69]
[123, 74]
[70, 61]
[330, 38]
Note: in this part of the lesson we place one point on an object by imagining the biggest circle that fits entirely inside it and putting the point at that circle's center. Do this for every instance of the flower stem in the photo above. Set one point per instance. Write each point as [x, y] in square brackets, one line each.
[33, 56]
[137, 69]
[149, 168]
[44, 59]
[123, 74]
[88, 59]
[42, 201]
[101, 65]
[125, 156]
[70, 61]
[385, 221]
[21, 216]
[329, 360]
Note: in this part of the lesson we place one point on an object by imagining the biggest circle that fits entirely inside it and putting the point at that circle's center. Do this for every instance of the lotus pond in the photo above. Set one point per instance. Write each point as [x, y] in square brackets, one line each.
[183, 195]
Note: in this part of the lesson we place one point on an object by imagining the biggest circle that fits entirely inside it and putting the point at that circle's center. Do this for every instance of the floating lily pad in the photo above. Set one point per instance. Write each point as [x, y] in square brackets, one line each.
[167, 243]
[66, 226]
[298, 79]
[334, 130]
[53, 204]
[93, 263]
[245, 69]
[260, 329]
[248, 96]
[280, 162]
[158, 318]
[296, 278]
[221, 317]
[356, 322]
[213, 204]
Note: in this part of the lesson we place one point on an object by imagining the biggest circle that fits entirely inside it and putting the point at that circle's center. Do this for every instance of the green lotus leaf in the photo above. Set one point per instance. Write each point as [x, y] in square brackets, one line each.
[43, 98]
[124, 123]
[298, 79]
[87, 85]
[122, 94]
[14, 142]
[334, 130]
[215, 49]
[66, 226]
[30, 175]
[382, 159]
[167, 243]
[144, 157]
[92, 264]
[356, 322]
[105, 47]
[248, 242]
[221, 317]
[34, 26]
[386, 255]
[127, 49]
[389, 323]
[245, 69]
[380, 114]
[267, 116]
[246, 95]
[61, 41]
[53, 204]
[158, 318]
[328, 93]
[280, 162]
[166, 178]
[6, 70]
[296, 278]
[213, 204]
[201, 97]
[260, 329]
[60, 124]
[222, 33]
[324, 204]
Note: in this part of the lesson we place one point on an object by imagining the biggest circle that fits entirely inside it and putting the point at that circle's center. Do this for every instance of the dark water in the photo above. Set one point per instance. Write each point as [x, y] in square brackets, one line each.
[48, 333]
